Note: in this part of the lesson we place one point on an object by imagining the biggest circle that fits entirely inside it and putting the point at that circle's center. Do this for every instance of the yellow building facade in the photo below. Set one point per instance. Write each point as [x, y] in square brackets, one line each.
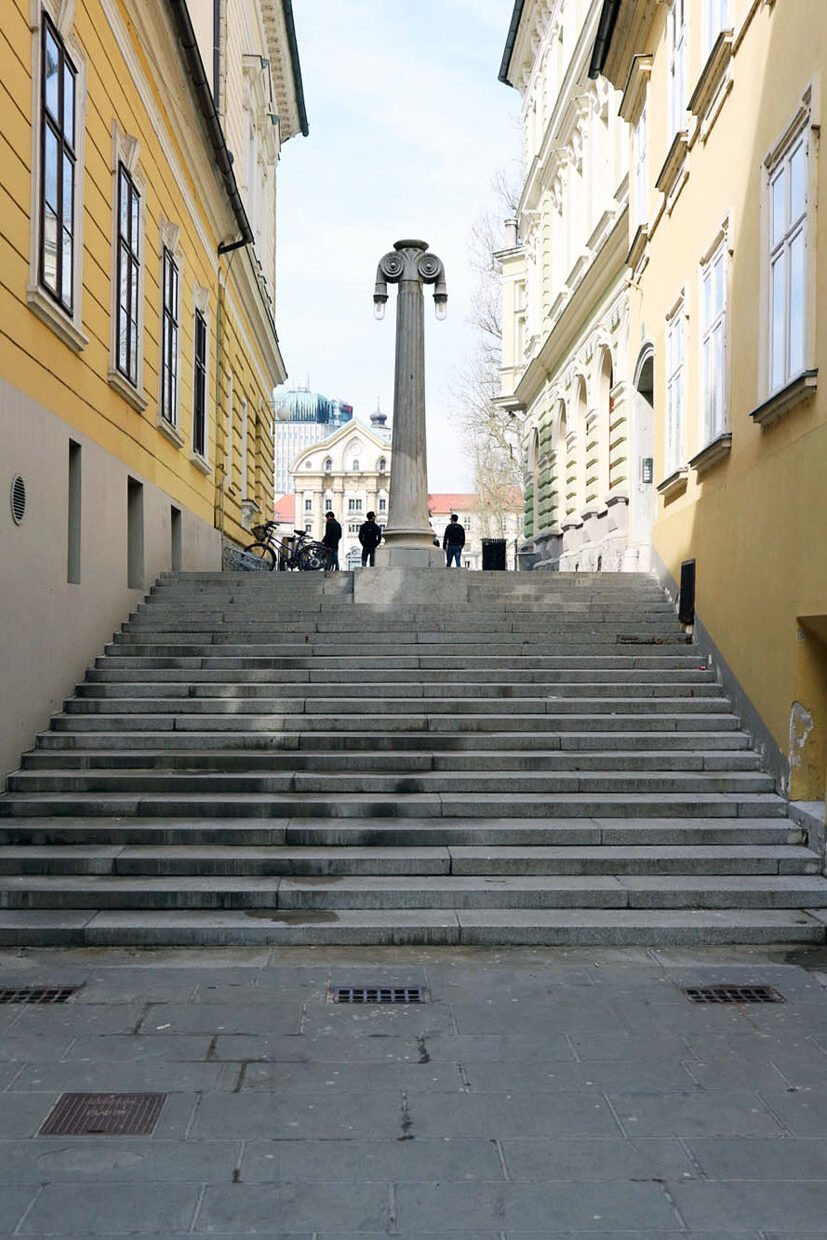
[728, 307]
[138, 349]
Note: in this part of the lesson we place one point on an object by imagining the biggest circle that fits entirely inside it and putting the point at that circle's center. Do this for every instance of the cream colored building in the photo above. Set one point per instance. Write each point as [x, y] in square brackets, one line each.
[478, 524]
[138, 350]
[728, 311]
[588, 446]
[349, 474]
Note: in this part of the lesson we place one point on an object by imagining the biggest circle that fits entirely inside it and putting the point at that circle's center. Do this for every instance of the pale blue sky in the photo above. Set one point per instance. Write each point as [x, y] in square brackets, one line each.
[407, 125]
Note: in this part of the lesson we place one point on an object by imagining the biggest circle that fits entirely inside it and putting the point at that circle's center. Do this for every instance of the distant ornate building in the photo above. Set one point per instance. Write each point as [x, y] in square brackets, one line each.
[302, 418]
[588, 490]
[477, 524]
[348, 473]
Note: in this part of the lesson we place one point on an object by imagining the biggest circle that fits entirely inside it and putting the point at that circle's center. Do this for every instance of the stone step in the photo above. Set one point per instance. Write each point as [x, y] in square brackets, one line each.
[297, 705]
[415, 662]
[387, 675]
[397, 761]
[405, 689]
[270, 743]
[420, 927]
[451, 723]
[691, 803]
[201, 860]
[510, 892]
[390, 783]
[319, 644]
[249, 629]
[652, 834]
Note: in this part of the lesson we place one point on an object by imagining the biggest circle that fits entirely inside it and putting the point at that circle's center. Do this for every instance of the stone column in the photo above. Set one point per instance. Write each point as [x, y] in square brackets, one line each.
[408, 541]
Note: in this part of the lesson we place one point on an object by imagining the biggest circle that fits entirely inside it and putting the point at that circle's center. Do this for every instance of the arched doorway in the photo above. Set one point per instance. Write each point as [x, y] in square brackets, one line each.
[642, 482]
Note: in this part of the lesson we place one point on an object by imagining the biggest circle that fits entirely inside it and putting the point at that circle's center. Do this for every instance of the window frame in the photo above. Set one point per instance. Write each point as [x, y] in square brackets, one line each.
[125, 156]
[49, 123]
[674, 448]
[712, 427]
[677, 44]
[714, 26]
[640, 165]
[170, 333]
[65, 319]
[794, 230]
[200, 377]
[131, 243]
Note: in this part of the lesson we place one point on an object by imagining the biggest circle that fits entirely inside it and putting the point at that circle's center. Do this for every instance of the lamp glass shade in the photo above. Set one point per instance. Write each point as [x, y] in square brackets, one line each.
[378, 308]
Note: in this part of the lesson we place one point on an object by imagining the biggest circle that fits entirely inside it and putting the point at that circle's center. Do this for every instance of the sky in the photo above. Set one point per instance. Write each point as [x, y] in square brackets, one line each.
[408, 124]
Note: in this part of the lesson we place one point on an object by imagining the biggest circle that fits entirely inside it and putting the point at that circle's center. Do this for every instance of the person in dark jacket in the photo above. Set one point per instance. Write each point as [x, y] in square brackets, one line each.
[370, 536]
[453, 540]
[332, 538]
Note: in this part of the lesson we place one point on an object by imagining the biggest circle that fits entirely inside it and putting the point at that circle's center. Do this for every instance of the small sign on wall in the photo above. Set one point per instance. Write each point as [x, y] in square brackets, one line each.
[647, 469]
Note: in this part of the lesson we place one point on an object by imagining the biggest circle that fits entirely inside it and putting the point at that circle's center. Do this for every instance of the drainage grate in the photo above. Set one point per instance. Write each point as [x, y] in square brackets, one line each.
[377, 994]
[37, 994]
[112, 1115]
[732, 994]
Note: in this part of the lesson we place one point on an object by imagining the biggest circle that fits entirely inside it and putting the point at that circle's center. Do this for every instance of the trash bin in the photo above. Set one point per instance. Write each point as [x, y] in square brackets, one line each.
[493, 554]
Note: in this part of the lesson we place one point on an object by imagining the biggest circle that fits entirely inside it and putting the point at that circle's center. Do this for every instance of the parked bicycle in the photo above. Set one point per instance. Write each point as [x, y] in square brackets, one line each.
[298, 551]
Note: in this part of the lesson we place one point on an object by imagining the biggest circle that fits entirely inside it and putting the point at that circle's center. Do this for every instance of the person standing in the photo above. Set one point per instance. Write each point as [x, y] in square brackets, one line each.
[370, 536]
[453, 540]
[332, 538]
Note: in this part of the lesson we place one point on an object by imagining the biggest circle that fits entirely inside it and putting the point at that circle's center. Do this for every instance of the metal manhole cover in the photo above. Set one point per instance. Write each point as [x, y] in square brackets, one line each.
[377, 994]
[37, 994]
[112, 1115]
[732, 994]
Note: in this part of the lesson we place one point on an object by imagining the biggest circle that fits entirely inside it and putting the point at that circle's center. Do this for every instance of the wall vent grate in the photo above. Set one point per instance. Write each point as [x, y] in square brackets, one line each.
[732, 994]
[377, 994]
[18, 499]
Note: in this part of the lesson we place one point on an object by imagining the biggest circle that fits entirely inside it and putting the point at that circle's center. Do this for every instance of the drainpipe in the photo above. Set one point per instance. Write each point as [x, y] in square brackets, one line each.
[605, 30]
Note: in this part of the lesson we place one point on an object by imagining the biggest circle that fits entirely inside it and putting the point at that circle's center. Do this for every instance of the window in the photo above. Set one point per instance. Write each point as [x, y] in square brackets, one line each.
[308, 505]
[467, 525]
[308, 464]
[382, 464]
[170, 297]
[641, 169]
[674, 390]
[355, 466]
[128, 276]
[354, 527]
[383, 503]
[199, 397]
[716, 18]
[328, 464]
[57, 172]
[244, 447]
[677, 66]
[354, 505]
[713, 343]
[229, 462]
[308, 527]
[788, 244]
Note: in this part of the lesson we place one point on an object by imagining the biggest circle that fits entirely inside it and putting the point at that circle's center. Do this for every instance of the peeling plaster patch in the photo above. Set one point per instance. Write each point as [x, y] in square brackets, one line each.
[801, 725]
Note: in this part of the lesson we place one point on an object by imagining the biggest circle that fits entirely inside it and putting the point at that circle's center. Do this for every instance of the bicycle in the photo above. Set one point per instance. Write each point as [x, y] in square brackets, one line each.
[299, 552]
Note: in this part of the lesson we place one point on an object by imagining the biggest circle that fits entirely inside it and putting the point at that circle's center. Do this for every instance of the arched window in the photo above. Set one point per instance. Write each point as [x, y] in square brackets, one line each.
[381, 465]
[355, 466]
[608, 477]
[328, 464]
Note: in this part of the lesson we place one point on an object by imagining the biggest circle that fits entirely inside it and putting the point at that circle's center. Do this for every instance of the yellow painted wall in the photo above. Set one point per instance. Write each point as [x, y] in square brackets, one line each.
[74, 385]
[755, 523]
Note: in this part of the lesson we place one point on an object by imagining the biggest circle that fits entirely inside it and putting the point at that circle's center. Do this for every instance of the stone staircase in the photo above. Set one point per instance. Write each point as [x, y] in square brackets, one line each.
[287, 758]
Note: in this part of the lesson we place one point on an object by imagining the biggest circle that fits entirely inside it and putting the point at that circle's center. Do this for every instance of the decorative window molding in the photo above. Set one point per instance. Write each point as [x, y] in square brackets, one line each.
[674, 484]
[127, 277]
[171, 265]
[788, 272]
[200, 378]
[714, 84]
[634, 93]
[674, 173]
[56, 298]
[640, 242]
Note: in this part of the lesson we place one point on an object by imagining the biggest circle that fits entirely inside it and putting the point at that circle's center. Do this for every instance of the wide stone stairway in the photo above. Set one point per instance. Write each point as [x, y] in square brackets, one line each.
[287, 758]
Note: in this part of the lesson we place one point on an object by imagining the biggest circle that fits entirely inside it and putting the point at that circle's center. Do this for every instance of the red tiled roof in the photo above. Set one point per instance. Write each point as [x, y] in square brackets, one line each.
[447, 501]
[285, 509]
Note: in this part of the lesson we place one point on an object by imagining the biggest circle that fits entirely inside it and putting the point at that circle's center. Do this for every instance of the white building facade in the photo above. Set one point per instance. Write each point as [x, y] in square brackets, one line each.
[348, 473]
[588, 491]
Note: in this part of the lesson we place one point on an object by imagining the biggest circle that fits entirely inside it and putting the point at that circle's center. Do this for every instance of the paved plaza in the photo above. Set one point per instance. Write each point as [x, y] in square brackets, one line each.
[534, 1093]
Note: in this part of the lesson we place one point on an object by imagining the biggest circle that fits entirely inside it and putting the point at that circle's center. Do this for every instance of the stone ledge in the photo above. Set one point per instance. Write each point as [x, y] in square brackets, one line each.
[781, 402]
[717, 450]
[674, 484]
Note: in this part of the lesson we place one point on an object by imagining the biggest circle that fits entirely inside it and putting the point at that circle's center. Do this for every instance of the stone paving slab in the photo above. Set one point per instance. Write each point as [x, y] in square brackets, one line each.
[562, 1094]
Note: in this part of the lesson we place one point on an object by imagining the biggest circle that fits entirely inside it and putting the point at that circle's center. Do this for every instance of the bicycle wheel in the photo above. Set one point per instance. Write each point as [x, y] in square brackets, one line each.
[313, 558]
[262, 552]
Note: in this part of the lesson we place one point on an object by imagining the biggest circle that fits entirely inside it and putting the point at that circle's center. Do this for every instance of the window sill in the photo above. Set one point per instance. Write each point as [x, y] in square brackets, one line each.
[61, 323]
[201, 463]
[674, 484]
[673, 174]
[172, 433]
[714, 452]
[124, 388]
[782, 402]
[573, 523]
[619, 497]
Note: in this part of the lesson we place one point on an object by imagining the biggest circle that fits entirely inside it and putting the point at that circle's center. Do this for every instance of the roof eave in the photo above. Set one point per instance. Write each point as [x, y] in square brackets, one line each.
[511, 38]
